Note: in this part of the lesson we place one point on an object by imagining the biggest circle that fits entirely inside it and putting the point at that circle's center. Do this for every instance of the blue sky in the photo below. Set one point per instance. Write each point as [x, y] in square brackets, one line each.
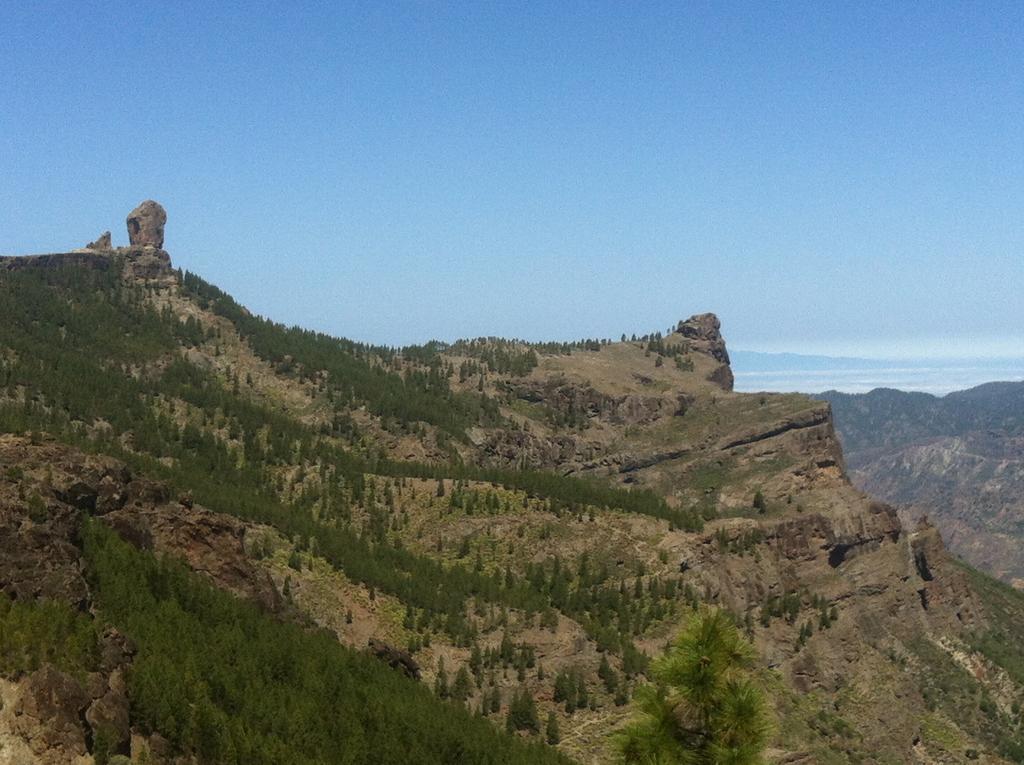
[828, 177]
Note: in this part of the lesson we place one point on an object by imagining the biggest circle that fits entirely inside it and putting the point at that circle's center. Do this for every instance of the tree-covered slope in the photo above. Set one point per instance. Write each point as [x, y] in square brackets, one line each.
[530, 523]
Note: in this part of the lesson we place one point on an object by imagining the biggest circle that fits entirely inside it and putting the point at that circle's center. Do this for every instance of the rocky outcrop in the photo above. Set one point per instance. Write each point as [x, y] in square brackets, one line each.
[146, 225]
[147, 263]
[808, 433]
[49, 717]
[44, 488]
[102, 243]
[143, 260]
[395, 658]
[210, 543]
[573, 401]
[950, 590]
[703, 335]
[518, 449]
[83, 259]
[37, 558]
[810, 425]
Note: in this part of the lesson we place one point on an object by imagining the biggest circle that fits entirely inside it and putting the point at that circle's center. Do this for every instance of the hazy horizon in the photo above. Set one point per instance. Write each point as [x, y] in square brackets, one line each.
[803, 373]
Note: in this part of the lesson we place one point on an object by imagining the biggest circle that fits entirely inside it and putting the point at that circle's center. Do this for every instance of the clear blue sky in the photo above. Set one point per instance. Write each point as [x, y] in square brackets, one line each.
[827, 177]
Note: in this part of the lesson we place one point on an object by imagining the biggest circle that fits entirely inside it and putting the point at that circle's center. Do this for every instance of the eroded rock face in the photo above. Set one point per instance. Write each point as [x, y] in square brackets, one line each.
[395, 658]
[704, 335]
[102, 243]
[146, 225]
[579, 400]
[47, 716]
[46, 487]
[210, 543]
[509, 448]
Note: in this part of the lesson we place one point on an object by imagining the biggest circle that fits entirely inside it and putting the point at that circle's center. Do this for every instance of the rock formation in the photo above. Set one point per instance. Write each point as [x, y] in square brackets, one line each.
[102, 242]
[144, 258]
[146, 225]
[703, 333]
[395, 658]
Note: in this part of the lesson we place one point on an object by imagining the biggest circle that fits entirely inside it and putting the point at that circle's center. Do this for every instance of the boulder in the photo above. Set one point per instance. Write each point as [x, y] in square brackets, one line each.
[146, 225]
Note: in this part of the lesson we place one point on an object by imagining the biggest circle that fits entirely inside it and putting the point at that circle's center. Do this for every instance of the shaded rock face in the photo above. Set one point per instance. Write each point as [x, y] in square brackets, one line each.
[44, 490]
[92, 260]
[510, 448]
[102, 243]
[146, 225]
[395, 658]
[572, 399]
[704, 335]
[49, 717]
[208, 542]
[38, 561]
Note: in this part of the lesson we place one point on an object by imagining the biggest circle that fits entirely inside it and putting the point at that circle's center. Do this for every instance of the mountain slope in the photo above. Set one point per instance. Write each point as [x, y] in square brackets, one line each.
[959, 459]
[512, 515]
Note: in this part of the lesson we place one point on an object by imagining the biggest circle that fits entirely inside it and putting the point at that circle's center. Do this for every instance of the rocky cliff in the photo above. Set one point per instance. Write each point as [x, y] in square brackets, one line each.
[958, 459]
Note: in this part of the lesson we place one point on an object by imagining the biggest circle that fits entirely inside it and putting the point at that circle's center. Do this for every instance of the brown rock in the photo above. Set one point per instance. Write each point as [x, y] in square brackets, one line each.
[396, 658]
[703, 334]
[102, 242]
[210, 543]
[48, 715]
[37, 560]
[146, 225]
[108, 714]
[147, 263]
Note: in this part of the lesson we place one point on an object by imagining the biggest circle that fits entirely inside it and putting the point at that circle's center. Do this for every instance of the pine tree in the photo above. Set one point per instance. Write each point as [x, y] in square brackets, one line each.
[522, 713]
[495, 700]
[608, 675]
[476, 662]
[441, 682]
[704, 707]
[551, 733]
[462, 686]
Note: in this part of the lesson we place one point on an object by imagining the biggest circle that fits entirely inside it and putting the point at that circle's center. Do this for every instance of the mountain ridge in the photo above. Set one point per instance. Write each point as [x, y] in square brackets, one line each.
[421, 498]
[958, 458]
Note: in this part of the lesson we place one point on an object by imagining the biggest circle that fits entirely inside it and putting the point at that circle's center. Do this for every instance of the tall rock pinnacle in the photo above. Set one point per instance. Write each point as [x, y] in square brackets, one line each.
[703, 332]
[146, 225]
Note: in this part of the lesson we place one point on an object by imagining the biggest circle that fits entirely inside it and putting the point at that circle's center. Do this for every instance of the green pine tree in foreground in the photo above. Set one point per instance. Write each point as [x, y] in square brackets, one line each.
[704, 707]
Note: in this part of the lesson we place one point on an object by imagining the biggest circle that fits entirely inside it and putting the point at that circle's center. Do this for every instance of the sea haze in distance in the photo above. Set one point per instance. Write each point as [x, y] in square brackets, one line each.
[756, 371]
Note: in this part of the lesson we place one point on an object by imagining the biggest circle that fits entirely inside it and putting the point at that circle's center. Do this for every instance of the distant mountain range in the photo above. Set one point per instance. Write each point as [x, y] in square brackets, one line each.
[755, 371]
[958, 457]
